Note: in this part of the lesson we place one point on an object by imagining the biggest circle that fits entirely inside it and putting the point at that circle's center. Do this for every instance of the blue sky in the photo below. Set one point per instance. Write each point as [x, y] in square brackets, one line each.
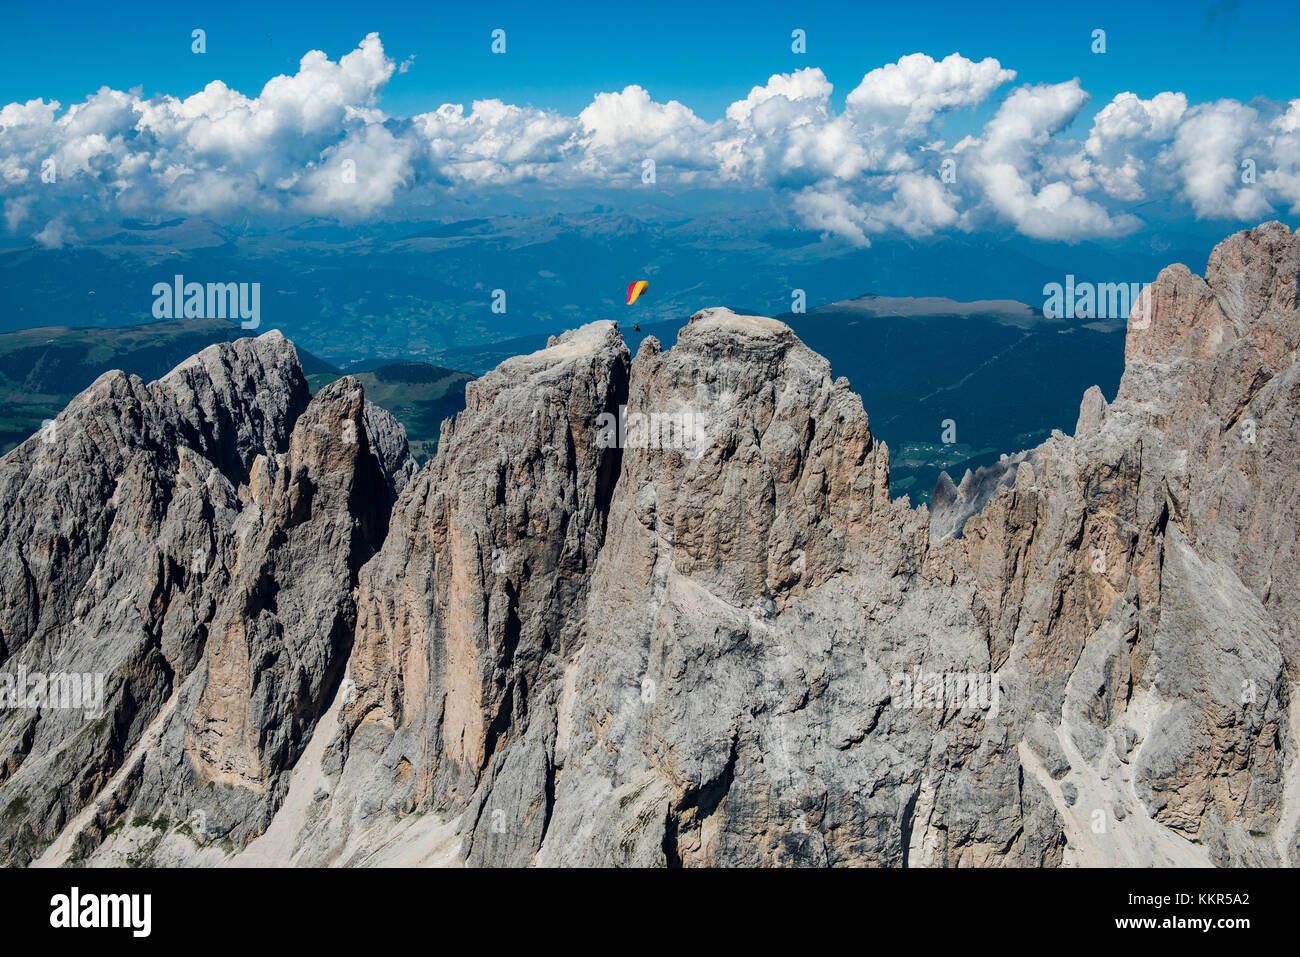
[704, 54]
[917, 118]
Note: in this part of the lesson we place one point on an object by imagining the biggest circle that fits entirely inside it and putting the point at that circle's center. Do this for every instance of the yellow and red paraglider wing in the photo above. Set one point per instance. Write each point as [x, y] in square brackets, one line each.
[635, 289]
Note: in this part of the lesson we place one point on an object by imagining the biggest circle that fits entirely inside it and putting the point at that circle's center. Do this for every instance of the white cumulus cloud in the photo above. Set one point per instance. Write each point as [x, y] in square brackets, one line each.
[318, 142]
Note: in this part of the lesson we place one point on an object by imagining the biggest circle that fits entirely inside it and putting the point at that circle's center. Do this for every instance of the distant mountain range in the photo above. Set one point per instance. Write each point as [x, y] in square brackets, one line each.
[1003, 375]
[41, 369]
[396, 292]
[960, 335]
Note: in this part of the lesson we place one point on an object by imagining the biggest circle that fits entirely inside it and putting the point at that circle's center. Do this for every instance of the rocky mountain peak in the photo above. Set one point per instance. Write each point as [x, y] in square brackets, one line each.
[663, 611]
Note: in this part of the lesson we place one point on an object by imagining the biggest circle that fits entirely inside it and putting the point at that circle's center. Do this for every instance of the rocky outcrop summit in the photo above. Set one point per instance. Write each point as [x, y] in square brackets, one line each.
[663, 611]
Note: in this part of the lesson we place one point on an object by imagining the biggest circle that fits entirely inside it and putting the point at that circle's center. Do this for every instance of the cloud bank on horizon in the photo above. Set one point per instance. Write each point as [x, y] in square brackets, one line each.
[317, 144]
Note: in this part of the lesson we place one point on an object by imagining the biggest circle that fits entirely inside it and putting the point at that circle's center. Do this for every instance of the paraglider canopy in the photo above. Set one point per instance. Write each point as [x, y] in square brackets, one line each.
[635, 289]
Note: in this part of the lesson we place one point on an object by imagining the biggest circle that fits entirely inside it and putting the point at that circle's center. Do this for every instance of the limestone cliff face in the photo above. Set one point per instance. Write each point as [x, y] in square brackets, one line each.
[283, 627]
[1140, 576]
[663, 611]
[189, 542]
